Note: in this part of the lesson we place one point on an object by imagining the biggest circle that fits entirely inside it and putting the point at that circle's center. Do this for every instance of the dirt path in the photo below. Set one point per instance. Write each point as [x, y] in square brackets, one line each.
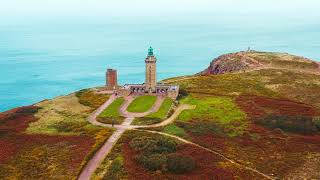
[100, 155]
[212, 151]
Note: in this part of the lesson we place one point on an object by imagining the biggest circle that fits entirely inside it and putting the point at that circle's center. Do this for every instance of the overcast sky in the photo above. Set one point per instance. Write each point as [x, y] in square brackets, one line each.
[15, 10]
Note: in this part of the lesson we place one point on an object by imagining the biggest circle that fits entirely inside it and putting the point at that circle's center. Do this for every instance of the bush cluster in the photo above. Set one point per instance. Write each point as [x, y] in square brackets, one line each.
[67, 126]
[158, 153]
[150, 145]
[89, 98]
[316, 121]
[295, 124]
[114, 171]
[179, 163]
[200, 127]
[152, 162]
[182, 93]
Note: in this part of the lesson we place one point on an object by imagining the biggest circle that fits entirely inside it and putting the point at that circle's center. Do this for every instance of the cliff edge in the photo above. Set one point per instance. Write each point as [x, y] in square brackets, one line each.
[253, 60]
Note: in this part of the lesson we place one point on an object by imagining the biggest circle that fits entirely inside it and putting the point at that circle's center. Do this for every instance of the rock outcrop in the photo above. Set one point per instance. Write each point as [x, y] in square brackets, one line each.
[233, 62]
[250, 60]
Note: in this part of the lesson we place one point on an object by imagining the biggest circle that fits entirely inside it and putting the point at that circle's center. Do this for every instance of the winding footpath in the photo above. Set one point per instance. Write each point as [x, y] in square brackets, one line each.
[100, 155]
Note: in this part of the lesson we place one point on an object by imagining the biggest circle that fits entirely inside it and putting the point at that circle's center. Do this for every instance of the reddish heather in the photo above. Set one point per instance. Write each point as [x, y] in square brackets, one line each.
[12, 137]
[206, 166]
[17, 120]
[270, 151]
[256, 106]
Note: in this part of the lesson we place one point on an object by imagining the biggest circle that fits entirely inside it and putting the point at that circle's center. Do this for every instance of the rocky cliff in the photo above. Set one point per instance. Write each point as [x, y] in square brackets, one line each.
[253, 60]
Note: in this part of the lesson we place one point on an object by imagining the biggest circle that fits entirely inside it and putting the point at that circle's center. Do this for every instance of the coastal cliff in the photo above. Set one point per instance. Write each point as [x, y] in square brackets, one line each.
[253, 60]
[256, 116]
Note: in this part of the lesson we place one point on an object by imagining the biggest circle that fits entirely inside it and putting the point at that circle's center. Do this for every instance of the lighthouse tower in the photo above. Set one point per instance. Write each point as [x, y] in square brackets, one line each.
[151, 79]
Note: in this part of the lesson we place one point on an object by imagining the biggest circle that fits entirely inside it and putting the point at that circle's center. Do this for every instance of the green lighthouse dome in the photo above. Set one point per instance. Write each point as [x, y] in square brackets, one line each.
[150, 51]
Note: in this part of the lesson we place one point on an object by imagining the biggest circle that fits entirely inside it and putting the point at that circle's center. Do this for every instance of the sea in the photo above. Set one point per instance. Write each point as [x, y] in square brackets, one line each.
[48, 58]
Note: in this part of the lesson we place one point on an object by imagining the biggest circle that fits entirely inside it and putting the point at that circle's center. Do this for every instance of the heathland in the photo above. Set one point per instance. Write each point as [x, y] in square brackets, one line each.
[255, 112]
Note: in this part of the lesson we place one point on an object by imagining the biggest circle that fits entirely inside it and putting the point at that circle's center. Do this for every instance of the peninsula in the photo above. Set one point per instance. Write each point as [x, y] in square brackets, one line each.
[249, 115]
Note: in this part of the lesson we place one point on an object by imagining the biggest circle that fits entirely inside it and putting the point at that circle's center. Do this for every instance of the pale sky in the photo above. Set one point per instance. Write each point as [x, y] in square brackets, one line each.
[20, 9]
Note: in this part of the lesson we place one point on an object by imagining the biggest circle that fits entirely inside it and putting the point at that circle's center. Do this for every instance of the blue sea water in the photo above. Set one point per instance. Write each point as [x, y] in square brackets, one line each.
[44, 59]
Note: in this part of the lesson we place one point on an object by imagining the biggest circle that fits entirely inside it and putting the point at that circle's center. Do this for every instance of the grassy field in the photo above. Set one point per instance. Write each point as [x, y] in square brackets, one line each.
[212, 111]
[156, 117]
[112, 112]
[142, 104]
[175, 130]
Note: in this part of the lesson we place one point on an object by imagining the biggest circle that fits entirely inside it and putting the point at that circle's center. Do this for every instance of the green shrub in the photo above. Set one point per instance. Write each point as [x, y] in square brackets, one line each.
[316, 121]
[295, 124]
[89, 98]
[152, 162]
[28, 110]
[182, 93]
[114, 171]
[177, 163]
[200, 127]
[68, 126]
[149, 145]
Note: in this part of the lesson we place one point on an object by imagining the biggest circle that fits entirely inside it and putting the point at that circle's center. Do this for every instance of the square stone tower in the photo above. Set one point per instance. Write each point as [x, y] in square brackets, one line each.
[111, 79]
[151, 76]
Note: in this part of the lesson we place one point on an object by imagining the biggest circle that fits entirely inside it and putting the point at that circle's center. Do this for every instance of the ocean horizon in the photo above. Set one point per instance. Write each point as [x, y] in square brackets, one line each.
[44, 58]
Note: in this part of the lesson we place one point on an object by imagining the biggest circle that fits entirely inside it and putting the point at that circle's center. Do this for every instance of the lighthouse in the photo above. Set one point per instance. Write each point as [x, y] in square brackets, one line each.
[151, 75]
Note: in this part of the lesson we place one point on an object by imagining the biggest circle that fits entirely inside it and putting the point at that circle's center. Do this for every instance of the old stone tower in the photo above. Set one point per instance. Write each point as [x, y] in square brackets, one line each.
[111, 79]
[151, 79]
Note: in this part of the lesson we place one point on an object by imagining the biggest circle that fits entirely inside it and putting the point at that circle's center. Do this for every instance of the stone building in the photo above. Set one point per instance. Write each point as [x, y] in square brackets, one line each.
[151, 76]
[149, 86]
[111, 79]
